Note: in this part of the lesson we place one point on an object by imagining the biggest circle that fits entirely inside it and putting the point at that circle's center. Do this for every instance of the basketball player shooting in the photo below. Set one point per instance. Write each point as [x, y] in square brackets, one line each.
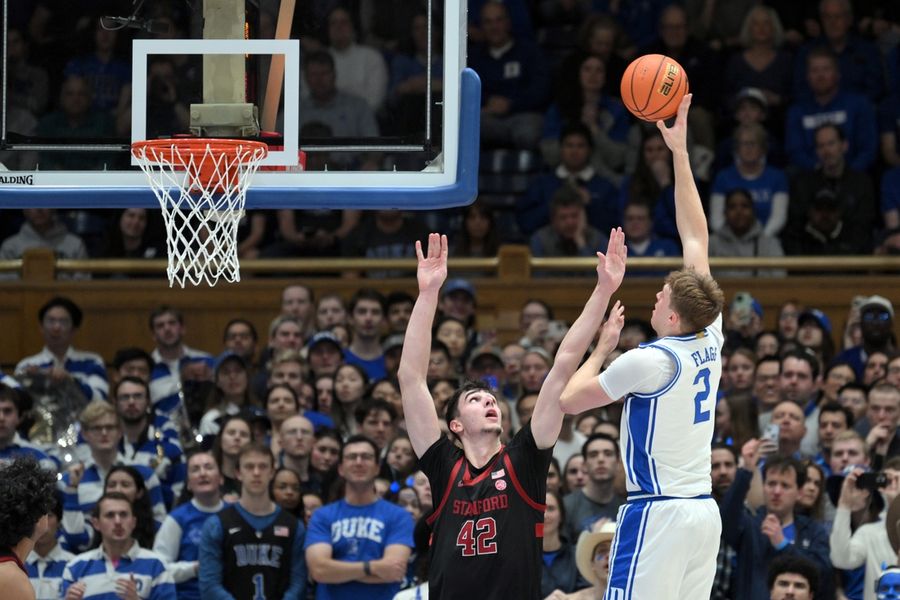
[489, 498]
[667, 534]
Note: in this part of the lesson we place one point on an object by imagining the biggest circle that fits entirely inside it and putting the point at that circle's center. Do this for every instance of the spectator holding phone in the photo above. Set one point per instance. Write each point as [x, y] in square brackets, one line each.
[855, 545]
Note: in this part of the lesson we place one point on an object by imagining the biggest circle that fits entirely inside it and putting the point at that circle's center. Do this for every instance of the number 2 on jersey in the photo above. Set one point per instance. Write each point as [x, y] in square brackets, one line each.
[701, 415]
[477, 537]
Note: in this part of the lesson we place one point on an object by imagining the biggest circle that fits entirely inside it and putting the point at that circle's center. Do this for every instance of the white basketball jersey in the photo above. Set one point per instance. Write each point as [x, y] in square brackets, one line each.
[666, 435]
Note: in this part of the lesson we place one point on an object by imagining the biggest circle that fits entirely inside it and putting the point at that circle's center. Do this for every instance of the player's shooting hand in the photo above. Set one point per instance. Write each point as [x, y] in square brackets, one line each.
[75, 591]
[609, 333]
[76, 471]
[126, 588]
[852, 498]
[676, 135]
[432, 269]
[611, 266]
[771, 528]
[389, 569]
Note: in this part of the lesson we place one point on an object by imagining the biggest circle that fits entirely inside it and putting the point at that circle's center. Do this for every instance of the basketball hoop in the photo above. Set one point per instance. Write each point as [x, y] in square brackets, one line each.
[201, 185]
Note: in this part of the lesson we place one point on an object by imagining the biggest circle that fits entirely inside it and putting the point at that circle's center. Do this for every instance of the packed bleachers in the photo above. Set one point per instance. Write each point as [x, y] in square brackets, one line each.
[795, 152]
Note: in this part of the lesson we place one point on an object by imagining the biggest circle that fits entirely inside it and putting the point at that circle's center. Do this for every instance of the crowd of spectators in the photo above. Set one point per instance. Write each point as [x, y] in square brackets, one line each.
[300, 432]
[795, 108]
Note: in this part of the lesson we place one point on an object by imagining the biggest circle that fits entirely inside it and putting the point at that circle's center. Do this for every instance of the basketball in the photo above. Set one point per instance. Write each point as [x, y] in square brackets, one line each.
[653, 86]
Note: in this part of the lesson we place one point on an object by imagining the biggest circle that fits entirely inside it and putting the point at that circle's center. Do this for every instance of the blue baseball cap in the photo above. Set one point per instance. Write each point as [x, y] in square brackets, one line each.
[324, 337]
[818, 316]
[459, 285]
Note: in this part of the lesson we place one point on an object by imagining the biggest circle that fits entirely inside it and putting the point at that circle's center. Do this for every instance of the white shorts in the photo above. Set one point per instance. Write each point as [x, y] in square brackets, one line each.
[664, 549]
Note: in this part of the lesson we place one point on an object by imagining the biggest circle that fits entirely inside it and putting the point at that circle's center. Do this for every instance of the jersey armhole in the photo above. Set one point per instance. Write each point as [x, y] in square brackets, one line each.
[453, 473]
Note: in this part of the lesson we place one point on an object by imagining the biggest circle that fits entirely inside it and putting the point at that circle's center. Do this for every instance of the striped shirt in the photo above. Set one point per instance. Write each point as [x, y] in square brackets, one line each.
[166, 459]
[78, 503]
[86, 368]
[8, 381]
[100, 574]
[22, 447]
[165, 379]
[46, 572]
[178, 542]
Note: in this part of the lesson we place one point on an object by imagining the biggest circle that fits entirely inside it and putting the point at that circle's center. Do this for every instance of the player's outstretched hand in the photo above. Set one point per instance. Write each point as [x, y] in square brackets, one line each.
[609, 333]
[611, 266]
[676, 135]
[432, 269]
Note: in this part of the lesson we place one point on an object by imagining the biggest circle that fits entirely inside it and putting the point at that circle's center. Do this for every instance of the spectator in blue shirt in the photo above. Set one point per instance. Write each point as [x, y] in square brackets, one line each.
[584, 99]
[603, 211]
[515, 82]
[119, 567]
[767, 185]
[859, 59]
[178, 539]
[829, 104]
[359, 546]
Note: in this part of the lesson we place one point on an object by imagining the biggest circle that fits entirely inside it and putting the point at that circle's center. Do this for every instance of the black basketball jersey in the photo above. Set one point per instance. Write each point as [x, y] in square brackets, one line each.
[487, 524]
[257, 564]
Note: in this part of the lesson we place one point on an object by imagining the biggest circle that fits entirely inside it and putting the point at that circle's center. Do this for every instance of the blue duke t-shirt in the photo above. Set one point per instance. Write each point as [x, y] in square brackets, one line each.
[356, 534]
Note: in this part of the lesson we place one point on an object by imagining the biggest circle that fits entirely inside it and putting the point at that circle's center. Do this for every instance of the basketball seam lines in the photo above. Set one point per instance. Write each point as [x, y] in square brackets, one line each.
[681, 81]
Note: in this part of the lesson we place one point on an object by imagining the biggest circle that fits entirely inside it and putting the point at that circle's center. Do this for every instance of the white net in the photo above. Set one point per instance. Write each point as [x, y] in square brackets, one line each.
[201, 186]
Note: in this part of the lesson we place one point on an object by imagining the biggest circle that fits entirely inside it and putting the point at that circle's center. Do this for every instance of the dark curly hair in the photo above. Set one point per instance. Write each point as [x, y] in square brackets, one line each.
[26, 495]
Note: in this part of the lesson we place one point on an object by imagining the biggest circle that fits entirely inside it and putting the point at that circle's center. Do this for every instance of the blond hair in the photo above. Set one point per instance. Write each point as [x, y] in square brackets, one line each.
[95, 411]
[851, 435]
[696, 297]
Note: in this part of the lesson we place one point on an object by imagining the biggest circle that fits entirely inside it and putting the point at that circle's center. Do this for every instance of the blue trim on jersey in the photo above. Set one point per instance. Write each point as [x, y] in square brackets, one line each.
[669, 385]
[629, 540]
[640, 423]
[653, 473]
[638, 499]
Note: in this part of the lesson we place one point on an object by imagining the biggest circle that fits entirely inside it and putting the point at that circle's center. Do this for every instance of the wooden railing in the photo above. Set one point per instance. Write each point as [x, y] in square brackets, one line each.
[116, 309]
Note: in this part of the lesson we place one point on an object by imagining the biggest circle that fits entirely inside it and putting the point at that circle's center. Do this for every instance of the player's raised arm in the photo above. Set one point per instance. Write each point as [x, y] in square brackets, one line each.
[689, 216]
[552, 400]
[418, 407]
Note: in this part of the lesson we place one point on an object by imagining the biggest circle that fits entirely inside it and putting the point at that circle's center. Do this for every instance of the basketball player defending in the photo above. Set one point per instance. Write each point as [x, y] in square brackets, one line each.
[489, 498]
[667, 534]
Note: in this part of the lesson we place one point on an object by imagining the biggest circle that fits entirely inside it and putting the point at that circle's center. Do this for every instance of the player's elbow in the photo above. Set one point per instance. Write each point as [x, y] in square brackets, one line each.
[568, 401]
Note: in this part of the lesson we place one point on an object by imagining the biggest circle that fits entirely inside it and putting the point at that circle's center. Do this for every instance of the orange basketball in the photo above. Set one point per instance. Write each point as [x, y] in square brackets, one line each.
[653, 86]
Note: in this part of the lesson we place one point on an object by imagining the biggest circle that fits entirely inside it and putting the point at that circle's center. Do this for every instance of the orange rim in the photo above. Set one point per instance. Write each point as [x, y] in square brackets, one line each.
[164, 149]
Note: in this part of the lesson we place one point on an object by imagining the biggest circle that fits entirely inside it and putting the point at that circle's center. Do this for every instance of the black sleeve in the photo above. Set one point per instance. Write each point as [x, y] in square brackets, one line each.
[437, 463]
[531, 463]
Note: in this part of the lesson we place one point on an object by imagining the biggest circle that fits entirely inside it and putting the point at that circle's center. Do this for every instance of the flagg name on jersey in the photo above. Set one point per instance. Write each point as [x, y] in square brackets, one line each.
[705, 355]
